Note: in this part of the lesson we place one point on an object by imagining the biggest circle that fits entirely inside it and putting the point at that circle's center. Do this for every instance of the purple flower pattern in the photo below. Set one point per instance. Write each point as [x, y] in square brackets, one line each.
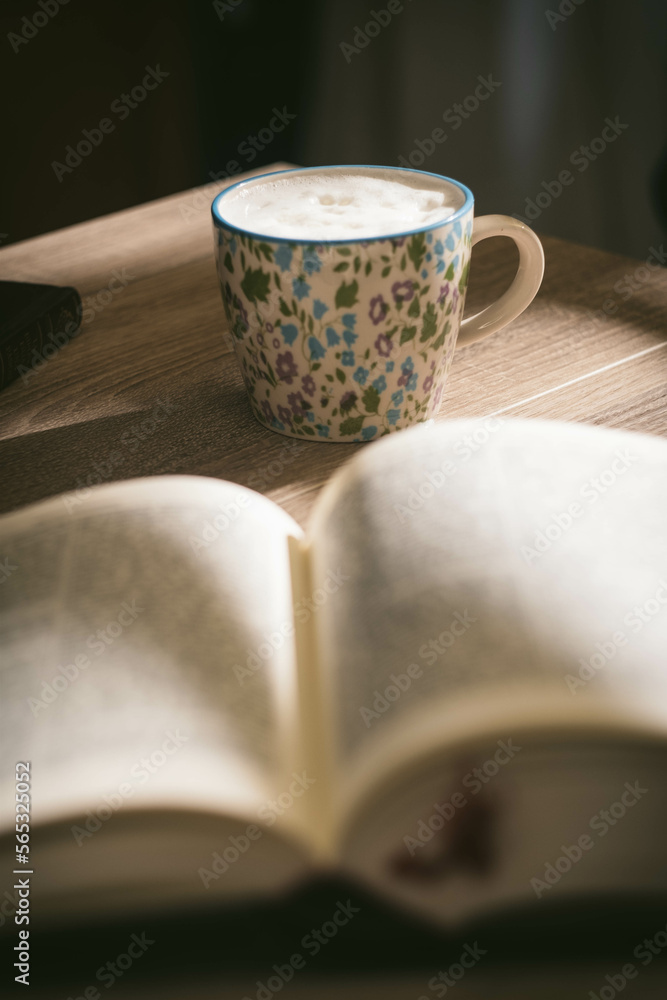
[357, 355]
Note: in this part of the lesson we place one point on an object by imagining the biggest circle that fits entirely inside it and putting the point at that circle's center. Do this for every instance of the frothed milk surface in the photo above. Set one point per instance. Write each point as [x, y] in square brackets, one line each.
[339, 206]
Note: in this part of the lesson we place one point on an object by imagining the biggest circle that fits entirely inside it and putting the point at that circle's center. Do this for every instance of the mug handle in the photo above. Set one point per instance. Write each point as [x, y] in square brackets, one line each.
[523, 289]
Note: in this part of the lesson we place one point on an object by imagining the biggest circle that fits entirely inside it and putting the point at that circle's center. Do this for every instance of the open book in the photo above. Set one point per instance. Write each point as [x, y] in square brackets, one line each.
[452, 686]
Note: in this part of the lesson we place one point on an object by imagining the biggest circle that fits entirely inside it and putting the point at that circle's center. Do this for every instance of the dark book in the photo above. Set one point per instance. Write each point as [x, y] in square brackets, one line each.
[36, 321]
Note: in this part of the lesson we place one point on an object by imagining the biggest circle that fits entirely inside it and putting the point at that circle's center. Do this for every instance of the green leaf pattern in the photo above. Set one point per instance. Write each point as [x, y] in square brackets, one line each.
[343, 341]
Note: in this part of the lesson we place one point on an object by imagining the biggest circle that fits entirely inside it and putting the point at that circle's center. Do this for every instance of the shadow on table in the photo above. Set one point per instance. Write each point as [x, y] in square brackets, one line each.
[205, 429]
[242, 944]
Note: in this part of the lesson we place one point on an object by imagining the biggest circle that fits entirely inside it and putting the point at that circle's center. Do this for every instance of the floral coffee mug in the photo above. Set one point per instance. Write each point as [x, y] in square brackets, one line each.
[350, 339]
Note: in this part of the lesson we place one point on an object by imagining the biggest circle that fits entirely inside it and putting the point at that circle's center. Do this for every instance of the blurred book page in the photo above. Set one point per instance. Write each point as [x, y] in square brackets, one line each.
[498, 571]
[135, 658]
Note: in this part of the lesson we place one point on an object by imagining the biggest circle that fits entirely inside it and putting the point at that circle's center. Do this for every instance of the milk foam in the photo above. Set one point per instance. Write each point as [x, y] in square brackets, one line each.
[339, 206]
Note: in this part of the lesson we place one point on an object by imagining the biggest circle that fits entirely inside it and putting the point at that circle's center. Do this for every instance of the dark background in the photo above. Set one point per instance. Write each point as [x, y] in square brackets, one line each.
[226, 953]
[563, 68]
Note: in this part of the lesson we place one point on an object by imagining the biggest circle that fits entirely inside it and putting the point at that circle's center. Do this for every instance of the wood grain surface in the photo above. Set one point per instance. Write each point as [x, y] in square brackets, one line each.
[588, 349]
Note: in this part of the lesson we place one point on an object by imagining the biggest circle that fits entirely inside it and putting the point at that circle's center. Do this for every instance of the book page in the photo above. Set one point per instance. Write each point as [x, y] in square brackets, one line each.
[147, 650]
[496, 573]
[516, 822]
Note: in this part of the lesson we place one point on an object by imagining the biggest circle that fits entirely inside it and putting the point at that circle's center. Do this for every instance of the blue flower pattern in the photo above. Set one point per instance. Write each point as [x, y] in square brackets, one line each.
[344, 368]
[282, 256]
[300, 288]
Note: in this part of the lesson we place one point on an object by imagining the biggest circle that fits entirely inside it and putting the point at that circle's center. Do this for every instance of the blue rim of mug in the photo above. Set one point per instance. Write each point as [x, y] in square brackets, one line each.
[454, 217]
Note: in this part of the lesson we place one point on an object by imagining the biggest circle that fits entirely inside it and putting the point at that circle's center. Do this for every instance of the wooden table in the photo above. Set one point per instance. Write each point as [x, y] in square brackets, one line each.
[589, 348]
